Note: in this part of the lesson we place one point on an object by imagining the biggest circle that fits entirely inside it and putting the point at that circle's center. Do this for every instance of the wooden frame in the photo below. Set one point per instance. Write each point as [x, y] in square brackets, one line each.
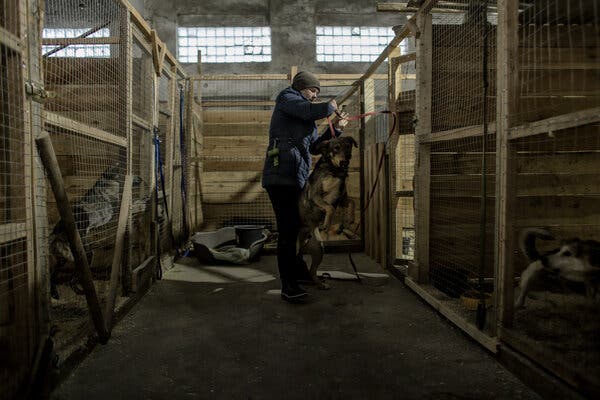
[508, 80]
[419, 270]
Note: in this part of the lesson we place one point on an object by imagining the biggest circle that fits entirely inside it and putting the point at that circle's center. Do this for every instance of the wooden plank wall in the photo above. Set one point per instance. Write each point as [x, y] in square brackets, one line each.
[557, 185]
[559, 73]
[235, 138]
[84, 91]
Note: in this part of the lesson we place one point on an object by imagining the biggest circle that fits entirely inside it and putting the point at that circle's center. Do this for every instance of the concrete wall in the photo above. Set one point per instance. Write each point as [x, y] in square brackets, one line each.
[292, 25]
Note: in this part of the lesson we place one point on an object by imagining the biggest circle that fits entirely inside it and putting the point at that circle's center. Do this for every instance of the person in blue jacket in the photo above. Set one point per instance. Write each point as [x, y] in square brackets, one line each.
[293, 137]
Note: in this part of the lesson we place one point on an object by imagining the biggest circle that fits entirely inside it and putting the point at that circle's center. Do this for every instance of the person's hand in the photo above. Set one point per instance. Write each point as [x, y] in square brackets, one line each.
[334, 104]
[340, 120]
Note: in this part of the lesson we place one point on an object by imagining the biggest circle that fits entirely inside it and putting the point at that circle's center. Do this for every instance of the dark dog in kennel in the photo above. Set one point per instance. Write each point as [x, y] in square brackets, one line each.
[575, 261]
[96, 208]
[324, 192]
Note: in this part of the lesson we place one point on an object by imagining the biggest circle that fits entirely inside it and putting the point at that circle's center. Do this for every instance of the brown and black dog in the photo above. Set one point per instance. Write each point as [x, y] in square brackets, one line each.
[324, 192]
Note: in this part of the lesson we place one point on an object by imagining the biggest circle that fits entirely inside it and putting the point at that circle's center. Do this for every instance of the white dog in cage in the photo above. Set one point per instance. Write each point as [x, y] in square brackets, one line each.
[576, 261]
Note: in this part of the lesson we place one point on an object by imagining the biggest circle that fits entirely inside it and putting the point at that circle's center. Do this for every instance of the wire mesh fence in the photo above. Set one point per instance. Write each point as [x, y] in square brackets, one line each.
[376, 131]
[84, 68]
[458, 65]
[19, 306]
[162, 160]
[558, 64]
[556, 189]
[402, 157]
[106, 97]
[235, 122]
[456, 159]
[142, 235]
[457, 225]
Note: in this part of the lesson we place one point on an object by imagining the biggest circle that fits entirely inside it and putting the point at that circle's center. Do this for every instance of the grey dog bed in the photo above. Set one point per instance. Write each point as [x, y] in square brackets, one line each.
[233, 244]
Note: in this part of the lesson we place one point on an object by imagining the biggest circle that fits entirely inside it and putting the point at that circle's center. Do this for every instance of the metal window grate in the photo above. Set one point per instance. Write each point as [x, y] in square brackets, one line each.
[75, 50]
[352, 43]
[224, 45]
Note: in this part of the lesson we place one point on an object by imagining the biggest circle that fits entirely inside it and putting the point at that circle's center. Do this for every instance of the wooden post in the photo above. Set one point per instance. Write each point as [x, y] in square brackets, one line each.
[50, 162]
[155, 163]
[362, 179]
[394, 88]
[293, 72]
[126, 57]
[31, 20]
[171, 135]
[507, 92]
[368, 98]
[420, 269]
[118, 252]
[196, 146]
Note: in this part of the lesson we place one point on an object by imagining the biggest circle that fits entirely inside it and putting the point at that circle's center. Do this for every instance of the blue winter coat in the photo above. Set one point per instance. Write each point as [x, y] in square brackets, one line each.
[293, 127]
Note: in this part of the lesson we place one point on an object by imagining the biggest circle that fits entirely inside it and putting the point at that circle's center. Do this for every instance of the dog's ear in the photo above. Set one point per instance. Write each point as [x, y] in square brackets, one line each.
[322, 147]
[350, 140]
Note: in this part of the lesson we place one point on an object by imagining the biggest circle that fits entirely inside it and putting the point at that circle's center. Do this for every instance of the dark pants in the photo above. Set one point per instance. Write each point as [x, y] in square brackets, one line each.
[285, 204]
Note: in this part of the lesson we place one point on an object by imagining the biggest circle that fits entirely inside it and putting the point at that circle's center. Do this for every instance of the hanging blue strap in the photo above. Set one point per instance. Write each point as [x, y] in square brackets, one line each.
[156, 140]
[159, 166]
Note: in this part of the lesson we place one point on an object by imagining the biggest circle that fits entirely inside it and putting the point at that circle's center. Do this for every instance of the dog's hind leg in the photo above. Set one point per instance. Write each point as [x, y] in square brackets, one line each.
[315, 249]
[528, 276]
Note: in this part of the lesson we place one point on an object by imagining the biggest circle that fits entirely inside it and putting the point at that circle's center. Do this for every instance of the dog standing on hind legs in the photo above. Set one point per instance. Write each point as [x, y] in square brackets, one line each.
[575, 261]
[324, 192]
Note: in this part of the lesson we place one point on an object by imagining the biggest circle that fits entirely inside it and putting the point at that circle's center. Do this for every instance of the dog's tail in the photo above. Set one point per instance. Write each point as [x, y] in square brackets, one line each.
[527, 241]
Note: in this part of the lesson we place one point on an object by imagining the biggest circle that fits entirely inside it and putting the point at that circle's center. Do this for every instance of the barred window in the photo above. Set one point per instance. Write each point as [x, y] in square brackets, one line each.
[76, 50]
[352, 43]
[224, 44]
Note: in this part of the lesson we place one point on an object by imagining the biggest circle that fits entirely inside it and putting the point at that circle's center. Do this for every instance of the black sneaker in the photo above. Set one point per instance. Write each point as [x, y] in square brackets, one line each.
[294, 295]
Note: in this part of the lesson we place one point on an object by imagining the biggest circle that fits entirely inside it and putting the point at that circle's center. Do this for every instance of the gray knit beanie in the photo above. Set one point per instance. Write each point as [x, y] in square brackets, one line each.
[305, 79]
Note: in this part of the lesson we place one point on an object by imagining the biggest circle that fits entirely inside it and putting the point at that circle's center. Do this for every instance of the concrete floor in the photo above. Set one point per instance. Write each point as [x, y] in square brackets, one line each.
[224, 333]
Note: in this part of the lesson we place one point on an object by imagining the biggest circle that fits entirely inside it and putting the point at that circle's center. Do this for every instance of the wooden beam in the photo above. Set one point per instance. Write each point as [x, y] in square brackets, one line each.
[126, 31]
[83, 35]
[141, 122]
[115, 271]
[10, 40]
[406, 58]
[48, 157]
[490, 343]
[458, 133]
[81, 40]
[419, 270]
[459, 7]
[394, 88]
[209, 103]
[158, 52]
[141, 39]
[395, 42]
[243, 77]
[405, 8]
[146, 30]
[79, 127]
[12, 231]
[325, 77]
[507, 91]
[553, 124]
